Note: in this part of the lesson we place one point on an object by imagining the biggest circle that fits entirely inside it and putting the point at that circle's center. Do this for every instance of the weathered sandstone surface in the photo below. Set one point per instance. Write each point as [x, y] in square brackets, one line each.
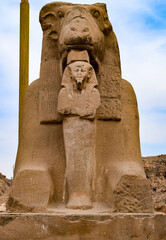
[155, 169]
[81, 226]
[86, 225]
[5, 184]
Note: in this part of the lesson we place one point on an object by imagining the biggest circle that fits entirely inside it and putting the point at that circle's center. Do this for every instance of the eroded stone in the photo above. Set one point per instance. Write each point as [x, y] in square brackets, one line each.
[82, 226]
[79, 137]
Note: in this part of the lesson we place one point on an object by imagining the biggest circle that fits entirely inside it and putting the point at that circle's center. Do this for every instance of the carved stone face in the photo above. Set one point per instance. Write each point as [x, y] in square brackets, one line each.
[76, 26]
[80, 72]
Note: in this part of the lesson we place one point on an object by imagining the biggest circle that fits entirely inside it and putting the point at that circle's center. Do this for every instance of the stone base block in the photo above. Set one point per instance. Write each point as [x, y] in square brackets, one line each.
[30, 191]
[82, 226]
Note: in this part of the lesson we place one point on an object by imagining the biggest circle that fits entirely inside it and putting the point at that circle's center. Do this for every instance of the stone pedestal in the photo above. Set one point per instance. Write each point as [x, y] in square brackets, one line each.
[82, 225]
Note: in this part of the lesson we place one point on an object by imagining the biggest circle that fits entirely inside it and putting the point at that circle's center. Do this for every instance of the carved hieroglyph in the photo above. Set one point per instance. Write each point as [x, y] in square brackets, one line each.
[79, 139]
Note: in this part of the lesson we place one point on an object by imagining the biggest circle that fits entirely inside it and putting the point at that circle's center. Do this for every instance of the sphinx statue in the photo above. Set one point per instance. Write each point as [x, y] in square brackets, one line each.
[79, 138]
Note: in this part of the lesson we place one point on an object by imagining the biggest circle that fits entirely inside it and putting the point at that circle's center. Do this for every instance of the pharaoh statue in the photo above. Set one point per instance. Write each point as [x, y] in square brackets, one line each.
[78, 101]
[79, 142]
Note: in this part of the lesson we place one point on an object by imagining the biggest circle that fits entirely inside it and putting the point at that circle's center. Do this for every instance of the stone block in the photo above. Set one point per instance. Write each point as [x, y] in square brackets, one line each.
[81, 226]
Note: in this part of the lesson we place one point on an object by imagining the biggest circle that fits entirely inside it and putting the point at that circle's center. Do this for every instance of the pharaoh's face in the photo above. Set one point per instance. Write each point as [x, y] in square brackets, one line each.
[80, 73]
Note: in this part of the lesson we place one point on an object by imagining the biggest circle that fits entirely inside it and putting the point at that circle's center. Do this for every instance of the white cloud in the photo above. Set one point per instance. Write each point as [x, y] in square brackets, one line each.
[143, 57]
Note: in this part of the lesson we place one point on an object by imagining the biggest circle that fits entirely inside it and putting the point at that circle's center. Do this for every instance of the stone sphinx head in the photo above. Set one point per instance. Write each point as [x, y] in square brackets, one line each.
[76, 26]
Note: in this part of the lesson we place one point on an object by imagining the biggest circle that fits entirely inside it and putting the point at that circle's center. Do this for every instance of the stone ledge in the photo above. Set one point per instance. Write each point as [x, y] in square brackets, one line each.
[104, 226]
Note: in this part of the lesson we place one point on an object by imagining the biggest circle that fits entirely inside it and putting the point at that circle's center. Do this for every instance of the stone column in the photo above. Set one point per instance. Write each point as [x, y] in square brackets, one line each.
[24, 54]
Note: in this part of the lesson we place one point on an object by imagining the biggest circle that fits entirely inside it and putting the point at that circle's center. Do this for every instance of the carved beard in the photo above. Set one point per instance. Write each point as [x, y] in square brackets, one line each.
[80, 84]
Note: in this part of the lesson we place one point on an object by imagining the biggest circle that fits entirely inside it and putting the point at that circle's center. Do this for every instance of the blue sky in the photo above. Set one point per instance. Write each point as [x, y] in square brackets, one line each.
[140, 26]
